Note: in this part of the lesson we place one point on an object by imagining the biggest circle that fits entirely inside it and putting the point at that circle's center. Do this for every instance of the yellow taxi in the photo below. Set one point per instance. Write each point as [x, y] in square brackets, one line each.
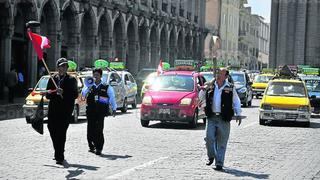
[260, 83]
[285, 100]
[34, 98]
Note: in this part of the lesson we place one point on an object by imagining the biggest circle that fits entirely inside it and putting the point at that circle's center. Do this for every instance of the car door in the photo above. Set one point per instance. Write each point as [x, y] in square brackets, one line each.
[127, 85]
[114, 82]
[201, 95]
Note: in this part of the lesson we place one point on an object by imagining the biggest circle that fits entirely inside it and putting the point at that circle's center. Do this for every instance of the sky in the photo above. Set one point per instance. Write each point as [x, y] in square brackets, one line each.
[261, 7]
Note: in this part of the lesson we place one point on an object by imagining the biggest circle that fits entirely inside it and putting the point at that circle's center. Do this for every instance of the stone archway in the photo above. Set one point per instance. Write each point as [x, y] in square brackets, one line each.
[172, 47]
[154, 47]
[70, 34]
[118, 39]
[143, 42]
[195, 48]
[23, 56]
[188, 40]
[180, 46]
[5, 43]
[87, 44]
[164, 45]
[48, 28]
[104, 38]
[131, 62]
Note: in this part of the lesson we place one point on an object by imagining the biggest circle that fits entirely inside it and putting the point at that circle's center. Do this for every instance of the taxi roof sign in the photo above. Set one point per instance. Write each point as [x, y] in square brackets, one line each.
[101, 63]
[117, 65]
[180, 62]
[310, 71]
[72, 66]
[165, 66]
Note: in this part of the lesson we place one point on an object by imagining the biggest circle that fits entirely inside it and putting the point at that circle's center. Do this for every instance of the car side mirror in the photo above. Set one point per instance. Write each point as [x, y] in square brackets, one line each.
[147, 86]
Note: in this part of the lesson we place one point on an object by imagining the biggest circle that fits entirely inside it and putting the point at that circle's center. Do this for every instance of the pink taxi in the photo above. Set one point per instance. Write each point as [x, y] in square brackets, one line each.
[174, 96]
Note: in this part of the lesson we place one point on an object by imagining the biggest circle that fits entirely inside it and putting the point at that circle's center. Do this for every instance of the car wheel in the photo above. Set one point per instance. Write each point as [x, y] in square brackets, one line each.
[144, 123]
[125, 106]
[134, 105]
[262, 121]
[194, 122]
[28, 119]
[75, 114]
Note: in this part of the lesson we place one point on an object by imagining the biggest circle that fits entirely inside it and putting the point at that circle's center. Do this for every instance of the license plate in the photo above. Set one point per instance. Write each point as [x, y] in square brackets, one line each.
[280, 116]
[164, 111]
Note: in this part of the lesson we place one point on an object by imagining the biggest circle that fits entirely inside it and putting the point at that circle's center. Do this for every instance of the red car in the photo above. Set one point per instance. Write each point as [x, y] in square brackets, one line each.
[175, 96]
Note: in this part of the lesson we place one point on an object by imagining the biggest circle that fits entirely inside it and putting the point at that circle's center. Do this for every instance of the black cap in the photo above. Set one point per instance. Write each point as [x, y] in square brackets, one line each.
[61, 61]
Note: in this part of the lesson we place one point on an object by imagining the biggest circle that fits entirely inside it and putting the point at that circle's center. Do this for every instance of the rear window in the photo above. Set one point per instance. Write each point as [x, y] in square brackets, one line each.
[262, 79]
[286, 89]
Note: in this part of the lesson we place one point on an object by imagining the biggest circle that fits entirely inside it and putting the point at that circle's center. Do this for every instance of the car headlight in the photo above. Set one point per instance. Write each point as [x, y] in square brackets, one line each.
[304, 108]
[30, 102]
[147, 100]
[185, 101]
[266, 107]
[242, 90]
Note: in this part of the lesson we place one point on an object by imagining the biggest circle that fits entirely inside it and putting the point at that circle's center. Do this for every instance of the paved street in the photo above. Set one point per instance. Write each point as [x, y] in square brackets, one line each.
[163, 151]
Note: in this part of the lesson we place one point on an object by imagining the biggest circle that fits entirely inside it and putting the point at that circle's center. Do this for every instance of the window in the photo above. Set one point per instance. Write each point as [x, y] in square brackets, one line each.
[131, 79]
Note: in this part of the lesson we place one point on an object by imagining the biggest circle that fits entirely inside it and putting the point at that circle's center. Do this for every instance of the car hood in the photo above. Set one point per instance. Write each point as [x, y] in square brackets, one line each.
[259, 85]
[36, 97]
[169, 97]
[286, 102]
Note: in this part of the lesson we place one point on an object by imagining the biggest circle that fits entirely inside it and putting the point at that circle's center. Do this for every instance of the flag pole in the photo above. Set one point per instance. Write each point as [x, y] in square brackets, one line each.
[45, 65]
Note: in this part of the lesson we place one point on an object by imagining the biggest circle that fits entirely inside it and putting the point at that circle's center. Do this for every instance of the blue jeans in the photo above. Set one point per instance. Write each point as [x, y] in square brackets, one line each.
[217, 135]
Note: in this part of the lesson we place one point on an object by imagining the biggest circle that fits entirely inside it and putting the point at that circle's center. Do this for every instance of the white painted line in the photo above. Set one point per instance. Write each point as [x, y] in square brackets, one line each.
[248, 125]
[128, 171]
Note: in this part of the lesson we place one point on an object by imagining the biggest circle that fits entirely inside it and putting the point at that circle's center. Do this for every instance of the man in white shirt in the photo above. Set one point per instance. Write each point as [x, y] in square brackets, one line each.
[222, 103]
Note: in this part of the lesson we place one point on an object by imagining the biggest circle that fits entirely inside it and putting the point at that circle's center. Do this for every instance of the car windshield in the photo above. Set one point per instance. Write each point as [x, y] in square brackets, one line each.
[173, 83]
[262, 79]
[238, 78]
[313, 85]
[42, 84]
[208, 77]
[286, 89]
[151, 77]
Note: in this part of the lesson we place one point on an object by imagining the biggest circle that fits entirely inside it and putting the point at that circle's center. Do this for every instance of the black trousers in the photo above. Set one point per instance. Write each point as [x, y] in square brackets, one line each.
[95, 130]
[58, 131]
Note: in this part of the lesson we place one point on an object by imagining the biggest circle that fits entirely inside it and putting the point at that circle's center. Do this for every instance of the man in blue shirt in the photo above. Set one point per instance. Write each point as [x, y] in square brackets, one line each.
[99, 96]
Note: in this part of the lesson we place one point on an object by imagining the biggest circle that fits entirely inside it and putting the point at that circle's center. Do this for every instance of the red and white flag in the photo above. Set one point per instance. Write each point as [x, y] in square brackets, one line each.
[39, 43]
[160, 69]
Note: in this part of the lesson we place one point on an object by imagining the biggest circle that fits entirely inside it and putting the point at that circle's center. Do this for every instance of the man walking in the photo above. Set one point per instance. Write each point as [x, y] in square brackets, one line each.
[222, 102]
[60, 107]
[99, 96]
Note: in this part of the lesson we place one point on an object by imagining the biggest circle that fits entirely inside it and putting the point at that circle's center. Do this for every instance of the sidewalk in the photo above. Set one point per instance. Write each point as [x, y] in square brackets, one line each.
[11, 110]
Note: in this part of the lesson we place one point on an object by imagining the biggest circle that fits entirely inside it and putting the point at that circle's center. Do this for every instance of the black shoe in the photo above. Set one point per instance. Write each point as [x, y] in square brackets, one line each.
[98, 152]
[59, 162]
[91, 150]
[210, 161]
[218, 168]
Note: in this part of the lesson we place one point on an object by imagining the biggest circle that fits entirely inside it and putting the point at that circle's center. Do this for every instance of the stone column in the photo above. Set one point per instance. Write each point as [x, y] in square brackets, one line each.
[299, 44]
[5, 56]
[274, 34]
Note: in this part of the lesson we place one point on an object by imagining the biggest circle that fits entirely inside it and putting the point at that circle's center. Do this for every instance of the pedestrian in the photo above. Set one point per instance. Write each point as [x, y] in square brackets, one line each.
[61, 106]
[222, 101]
[99, 96]
[11, 82]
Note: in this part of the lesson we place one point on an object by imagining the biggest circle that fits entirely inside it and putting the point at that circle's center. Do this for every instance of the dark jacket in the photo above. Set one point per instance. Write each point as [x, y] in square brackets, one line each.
[62, 107]
[226, 102]
[95, 106]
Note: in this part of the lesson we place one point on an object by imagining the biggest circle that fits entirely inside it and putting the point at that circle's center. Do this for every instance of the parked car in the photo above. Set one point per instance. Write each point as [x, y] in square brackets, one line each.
[313, 87]
[243, 84]
[175, 96]
[130, 87]
[260, 83]
[285, 100]
[113, 78]
[34, 98]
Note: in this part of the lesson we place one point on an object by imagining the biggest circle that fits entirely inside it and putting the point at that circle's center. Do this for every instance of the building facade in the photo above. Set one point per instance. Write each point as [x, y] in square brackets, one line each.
[295, 33]
[136, 32]
[264, 43]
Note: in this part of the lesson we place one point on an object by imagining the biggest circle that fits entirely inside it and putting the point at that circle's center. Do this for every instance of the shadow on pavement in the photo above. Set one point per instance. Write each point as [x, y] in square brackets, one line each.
[243, 174]
[114, 157]
[314, 125]
[179, 126]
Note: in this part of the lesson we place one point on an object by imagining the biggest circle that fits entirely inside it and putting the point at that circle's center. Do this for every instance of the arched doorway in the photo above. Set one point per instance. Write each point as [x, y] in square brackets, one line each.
[131, 62]
[195, 48]
[70, 35]
[118, 39]
[23, 57]
[87, 44]
[188, 46]
[172, 49]
[164, 45]
[143, 39]
[180, 46]
[154, 47]
[104, 40]
[48, 28]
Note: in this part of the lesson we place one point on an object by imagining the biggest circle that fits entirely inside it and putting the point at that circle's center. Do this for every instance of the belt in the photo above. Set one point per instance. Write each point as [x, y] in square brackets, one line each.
[216, 114]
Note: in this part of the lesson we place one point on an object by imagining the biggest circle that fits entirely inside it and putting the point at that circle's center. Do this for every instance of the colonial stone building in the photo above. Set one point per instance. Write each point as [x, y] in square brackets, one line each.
[137, 32]
[295, 33]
